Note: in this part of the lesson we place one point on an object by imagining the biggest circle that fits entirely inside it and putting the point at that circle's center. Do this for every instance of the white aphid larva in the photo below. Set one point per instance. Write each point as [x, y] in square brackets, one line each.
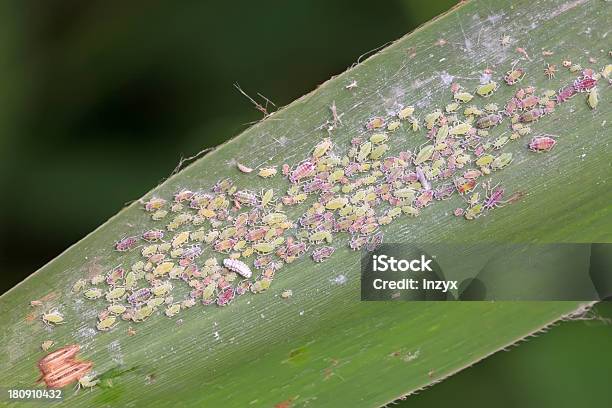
[237, 266]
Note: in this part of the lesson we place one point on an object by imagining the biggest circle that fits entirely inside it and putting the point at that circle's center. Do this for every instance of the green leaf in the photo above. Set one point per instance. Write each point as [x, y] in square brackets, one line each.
[323, 347]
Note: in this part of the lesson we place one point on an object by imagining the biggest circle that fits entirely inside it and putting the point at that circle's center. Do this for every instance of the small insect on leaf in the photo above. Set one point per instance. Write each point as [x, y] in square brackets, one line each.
[267, 172]
[464, 97]
[460, 129]
[243, 168]
[287, 294]
[46, 345]
[239, 267]
[406, 112]
[424, 154]
[593, 98]
[107, 323]
[375, 123]
[487, 90]
[93, 293]
[542, 144]
[501, 161]
[53, 318]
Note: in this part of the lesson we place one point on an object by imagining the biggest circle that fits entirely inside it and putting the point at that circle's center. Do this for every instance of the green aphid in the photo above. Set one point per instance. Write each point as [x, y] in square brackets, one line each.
[406, 112]
[501, 161]
[115, 294]
[264, 248]
[410, 210]
[548, 93]
[500, 142]
[460, 129]
[52, 318]
[149, 250]
[379, 151]
[321, 236]
[472, 111]
[228, 232]
[442, 134]
[176, 253]
[393, 126]
[163, 248]
[79, 285]
[414, 122]
[491, 107]
[485, 160]
[437, 165]
[575, 68]
[138, 266]
[364, 151]
[451, 107]
[463, 97]
[405, 193]
[261, 285]
[274, 218]
[162, 289]
[142, 313]
[107, 323]
[159, 215]
[378, 138]
[116, 309]
[209, 291]
[336, 203]
[335, 176]
[93, 293]
[432, 118]
[177, 207]
[267, 197]
[487, 90]
[474, 212]
[593, 98]
[173, 310]
[482, 133]
[321, 148]
[346, 210]
[156, 302]
[267, 172]
[424, 154]
[394, 212]
[606, 71]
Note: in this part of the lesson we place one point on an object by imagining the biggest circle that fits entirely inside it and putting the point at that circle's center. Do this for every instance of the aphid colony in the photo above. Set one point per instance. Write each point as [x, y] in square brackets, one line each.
[347, 194]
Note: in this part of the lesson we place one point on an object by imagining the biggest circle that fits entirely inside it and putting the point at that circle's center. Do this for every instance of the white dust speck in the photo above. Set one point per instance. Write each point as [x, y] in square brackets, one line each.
[85, 333]
[412, 356]
[263, 316]
[301, 313]
[216, 335]
[114, 348]
[442, 60]
[339, 280]
[485, 78]
[446, 78]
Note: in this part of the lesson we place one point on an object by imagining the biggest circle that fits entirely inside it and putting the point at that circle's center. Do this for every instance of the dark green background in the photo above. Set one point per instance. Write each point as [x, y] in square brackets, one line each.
[100, 99]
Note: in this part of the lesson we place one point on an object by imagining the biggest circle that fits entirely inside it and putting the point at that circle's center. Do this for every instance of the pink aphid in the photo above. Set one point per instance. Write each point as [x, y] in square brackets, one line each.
[153, 235]
[494, 199]
[542, 144]
[303, 170]
[585, 83]
[566, 93]
[115, 276]
[126, 244]
[444, 192]
[422, 179]
[243, 287]
[472, 174]
[459, 212]
[529, 102]
[225, 297]
[192, 252]
[511, 106]
[357, 242]
[183, 195]
[375, 241]
[424, 199]
[154, 204]
[262, 261]
[285, 169]
[321, 254]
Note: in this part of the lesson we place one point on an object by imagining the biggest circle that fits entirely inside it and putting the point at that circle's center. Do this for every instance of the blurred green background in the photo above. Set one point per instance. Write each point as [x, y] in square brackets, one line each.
[99, 100]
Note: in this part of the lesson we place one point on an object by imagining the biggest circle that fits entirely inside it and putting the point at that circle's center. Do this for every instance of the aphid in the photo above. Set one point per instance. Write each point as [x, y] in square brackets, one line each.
[245, 197]
[226, 296]
[87, 381]
[501, 161]
[424, 199]
[531, 116]
[243, 168]
[491, 107]
[451, 107]
[406, 112]
[155, 204]
[364, 151]
[115, 294]
[378, 138]
[142, 313]
[542, 144]
[514, 76]
[432, 118]
[529, 102]
[460, 129]
[489, 121]
[393, 126]
[126, 244]
[159, 214]
[303, 170]
[357, 242]
[140, 296]
[593, 98]
[192, 252]
[177, 207]
[323, 253]
[287, 294]
[375, 123]
[161, 289]
[106, 324]
[93, 293]
[320, 236]
[463, 186]
[116, 309]
[180, 239]
[183, 195]
[156, 302]
[273, 219]
[414, 124]
[173, 310]
[163, 268]
[115, 276]
[153, 235]
[336, 203]
[424, 154]
[473, 212]
[584, 83]
[53, 317]
[238, 266]
[566, 93]
[267, 172]
[79, 285]
[458, 212]
[378, 151]
[464, 97]
[422, 179]
[149, 250]
[487, 89]
[46, 345]
[494, 198]
[500, 142]
[472, 174]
